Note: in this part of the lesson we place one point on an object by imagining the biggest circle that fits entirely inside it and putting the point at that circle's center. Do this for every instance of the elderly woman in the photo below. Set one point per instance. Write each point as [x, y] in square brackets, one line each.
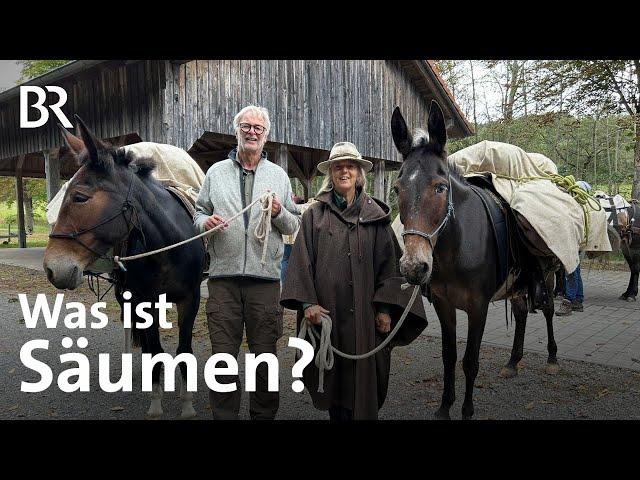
[344, 263]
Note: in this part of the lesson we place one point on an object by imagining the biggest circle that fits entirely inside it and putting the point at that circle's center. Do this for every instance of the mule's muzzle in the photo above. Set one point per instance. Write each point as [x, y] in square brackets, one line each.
[63, 274]
[416, 272]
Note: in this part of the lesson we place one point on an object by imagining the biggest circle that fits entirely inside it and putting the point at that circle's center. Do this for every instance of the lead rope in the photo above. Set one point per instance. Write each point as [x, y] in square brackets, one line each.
[263, 229]
[324, 356]
[265, 198]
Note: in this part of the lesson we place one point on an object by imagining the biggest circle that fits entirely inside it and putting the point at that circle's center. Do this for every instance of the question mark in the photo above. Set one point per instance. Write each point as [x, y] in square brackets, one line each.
[307, 356]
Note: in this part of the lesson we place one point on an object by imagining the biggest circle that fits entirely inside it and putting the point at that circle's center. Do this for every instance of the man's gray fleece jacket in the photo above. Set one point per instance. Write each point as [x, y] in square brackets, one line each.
[235, 251]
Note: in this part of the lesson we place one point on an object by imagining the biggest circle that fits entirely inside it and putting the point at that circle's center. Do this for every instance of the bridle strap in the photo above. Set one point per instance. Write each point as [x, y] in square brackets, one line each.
[126, 206]
[443, 223]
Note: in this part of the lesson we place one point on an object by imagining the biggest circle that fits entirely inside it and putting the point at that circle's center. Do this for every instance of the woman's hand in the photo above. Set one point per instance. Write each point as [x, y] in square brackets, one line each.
[314, 313]
[383, 322]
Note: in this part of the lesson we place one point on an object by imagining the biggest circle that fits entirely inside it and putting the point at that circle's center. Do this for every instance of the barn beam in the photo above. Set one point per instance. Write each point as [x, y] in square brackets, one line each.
[282, 157]
[22, 234]
[378, 181]
[52, 172]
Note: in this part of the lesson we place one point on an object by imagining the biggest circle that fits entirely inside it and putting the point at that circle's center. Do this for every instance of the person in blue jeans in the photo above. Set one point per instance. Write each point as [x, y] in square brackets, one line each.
[574, 292]
[285, 260]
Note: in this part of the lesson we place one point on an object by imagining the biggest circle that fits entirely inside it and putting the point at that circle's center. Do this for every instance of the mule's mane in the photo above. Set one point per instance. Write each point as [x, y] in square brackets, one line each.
[109, 156]
[421, 142]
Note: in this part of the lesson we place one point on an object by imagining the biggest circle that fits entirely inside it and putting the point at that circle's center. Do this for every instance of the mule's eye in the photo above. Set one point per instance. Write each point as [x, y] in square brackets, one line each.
[441, 188]
[395, 189]
[79, 198]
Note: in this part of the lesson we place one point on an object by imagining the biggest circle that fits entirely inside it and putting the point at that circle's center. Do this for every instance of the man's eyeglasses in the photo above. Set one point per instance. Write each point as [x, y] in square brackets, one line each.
[246, 128]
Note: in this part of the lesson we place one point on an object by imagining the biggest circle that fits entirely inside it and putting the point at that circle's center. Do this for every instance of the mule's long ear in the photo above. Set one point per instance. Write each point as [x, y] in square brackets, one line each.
[98, 156]
[90, 140]
[401, 136]
[437, 128]
[73, 143]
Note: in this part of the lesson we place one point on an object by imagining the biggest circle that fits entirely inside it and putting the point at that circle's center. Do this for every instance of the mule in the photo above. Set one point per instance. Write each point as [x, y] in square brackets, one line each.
[627, 236]
[114, 204]
[451, 250]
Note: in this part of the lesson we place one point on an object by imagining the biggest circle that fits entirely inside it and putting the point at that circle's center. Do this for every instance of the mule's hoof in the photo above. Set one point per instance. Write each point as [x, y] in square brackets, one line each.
[188, 412]
[552, 369]
[508, 372]
[155, 411]
[442, 414]
[627, 297]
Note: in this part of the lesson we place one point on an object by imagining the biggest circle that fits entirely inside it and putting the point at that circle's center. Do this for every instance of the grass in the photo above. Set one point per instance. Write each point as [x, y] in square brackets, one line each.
[38, 238]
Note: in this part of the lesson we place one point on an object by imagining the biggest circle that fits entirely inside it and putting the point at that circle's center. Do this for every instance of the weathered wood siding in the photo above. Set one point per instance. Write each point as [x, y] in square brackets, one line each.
[312, 103]
[113, 99]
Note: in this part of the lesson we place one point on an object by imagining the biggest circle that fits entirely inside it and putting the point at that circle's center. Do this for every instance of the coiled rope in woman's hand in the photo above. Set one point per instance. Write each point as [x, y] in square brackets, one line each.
[324, 354]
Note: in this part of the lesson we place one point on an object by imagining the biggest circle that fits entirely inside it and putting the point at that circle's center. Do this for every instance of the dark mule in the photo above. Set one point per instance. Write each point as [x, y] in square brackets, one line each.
[112, 203]
[629, 235]
[450, 246]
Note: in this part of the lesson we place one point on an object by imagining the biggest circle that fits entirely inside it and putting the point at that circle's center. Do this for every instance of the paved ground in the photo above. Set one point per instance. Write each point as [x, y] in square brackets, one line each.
[607, 332]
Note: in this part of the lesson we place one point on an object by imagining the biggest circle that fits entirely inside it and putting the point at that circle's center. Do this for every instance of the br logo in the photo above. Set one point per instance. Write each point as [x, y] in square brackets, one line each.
[44, 113]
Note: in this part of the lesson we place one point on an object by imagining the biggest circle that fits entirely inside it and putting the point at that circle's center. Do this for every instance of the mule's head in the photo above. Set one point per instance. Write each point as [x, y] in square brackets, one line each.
[422, 188]
[96, 193]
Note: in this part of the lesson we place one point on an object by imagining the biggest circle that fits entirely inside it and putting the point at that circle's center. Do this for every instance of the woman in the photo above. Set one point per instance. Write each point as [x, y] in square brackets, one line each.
[344, 263]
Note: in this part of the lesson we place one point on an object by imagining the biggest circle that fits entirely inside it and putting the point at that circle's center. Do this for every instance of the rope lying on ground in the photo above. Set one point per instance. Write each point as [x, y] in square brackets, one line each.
[265, 198]
[324, 355]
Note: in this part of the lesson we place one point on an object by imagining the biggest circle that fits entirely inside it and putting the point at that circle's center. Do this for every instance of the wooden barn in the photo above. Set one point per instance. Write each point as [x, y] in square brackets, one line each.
[191, 104]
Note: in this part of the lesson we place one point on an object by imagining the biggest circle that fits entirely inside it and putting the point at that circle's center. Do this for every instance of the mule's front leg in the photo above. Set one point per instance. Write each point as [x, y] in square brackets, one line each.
[187, 311]
[633, 260]
[470, 363]
[520, 311]
[152, 343]
[186, 401]
[447, 316]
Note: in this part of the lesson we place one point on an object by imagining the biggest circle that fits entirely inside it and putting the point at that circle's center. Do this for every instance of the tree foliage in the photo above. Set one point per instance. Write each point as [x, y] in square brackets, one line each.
[35, 68]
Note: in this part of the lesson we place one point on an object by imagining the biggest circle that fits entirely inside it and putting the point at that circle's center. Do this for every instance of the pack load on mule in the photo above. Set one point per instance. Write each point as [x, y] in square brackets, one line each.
[174, 168]
[620, 213]
[561, 214]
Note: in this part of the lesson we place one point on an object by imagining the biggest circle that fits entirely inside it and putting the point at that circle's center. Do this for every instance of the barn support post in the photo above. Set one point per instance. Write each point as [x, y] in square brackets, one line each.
[52, 172]
[378, 181]
[282, 157]
[306, 185]
[22, 235]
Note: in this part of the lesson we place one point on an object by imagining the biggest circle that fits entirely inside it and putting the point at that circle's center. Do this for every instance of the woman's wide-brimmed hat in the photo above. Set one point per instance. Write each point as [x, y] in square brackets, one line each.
[344, 151]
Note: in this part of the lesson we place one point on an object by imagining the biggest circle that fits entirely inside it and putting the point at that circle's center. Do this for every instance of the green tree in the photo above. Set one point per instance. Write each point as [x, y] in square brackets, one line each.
[605, 86]
[35, 68]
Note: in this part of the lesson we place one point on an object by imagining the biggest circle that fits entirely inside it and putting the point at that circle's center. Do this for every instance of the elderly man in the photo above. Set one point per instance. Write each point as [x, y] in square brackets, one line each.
[243, 293]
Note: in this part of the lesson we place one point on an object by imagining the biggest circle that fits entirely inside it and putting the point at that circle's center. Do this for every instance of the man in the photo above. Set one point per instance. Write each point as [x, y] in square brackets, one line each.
[244, 293]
